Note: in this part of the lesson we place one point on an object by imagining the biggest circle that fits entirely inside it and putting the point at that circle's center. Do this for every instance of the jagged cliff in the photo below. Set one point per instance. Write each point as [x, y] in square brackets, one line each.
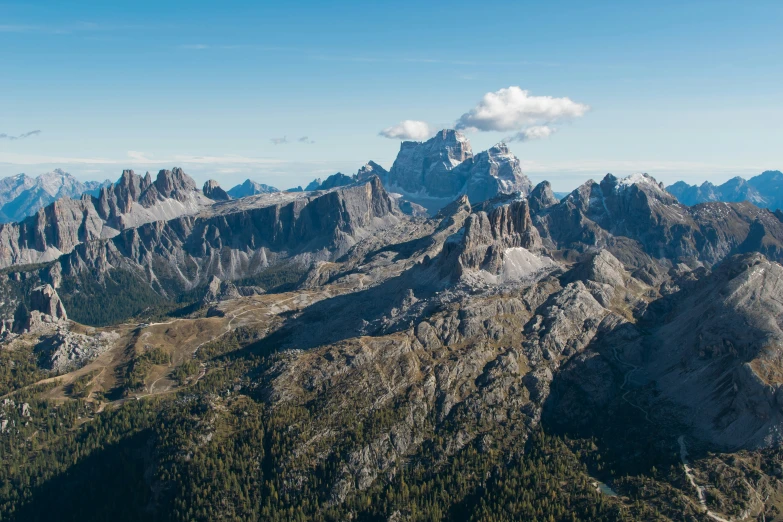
[434, 172]
[237, 239]
[132, 201]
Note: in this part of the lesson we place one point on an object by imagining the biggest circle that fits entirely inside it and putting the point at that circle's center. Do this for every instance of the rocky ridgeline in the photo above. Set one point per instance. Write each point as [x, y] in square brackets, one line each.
[241, 237]
[132, 201]
[642, 224]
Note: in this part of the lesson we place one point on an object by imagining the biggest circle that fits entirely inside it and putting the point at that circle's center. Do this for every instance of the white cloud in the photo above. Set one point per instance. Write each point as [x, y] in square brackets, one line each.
[279, 141]
[537, 132]
[408, 130]
[513, 108]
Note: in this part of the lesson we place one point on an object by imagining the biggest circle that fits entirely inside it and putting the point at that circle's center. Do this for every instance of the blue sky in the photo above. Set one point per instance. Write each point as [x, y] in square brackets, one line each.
[682, 90]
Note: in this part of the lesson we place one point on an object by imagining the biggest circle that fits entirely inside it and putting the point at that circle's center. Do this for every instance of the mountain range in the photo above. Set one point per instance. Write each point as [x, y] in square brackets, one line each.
[339, 353]
[22, 195]
[764, 190]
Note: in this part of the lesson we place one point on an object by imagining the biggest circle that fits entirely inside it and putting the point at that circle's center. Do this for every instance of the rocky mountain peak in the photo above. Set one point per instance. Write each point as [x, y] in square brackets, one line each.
[372, 169]
[493, 231]
[171, 183]
[642, 182]
[764, 190]
[121, 196]
[433, 172]
[423, 167]
[541, 197]
[455, 212]
[213, 191]
[602, 267]
[499, 149]
[495, 171]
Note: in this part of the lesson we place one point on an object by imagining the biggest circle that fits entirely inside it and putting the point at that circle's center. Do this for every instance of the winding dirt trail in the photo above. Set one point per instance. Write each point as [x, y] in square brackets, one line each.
[692, 479]
[626, 378]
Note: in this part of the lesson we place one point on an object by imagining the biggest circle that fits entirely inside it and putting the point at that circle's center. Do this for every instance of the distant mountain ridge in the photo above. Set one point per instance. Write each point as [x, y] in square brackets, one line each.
[764, 190]
[251, 188]
[23, 195]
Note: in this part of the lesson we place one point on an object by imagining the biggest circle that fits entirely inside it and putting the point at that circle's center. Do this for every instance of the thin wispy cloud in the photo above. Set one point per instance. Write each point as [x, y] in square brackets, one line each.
[279, 141]
[305, 139]
[19, 136]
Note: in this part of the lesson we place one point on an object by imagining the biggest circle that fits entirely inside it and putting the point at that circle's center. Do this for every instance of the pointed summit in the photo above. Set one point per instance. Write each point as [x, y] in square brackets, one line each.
[251, 188]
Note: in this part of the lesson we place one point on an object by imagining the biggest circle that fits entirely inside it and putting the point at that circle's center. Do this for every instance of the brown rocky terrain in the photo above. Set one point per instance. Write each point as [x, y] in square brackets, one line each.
[405, 344]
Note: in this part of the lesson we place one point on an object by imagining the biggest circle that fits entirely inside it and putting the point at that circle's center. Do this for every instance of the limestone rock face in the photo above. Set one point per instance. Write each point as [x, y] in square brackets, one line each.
[218, 290]
[498, 231]
[46, 311]
[426, 167]
[213, 191]
[66, 350]
[169, 184]
[433, 172]
[44, 299]
[132, 201]
[567, 322]
[240, 238]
